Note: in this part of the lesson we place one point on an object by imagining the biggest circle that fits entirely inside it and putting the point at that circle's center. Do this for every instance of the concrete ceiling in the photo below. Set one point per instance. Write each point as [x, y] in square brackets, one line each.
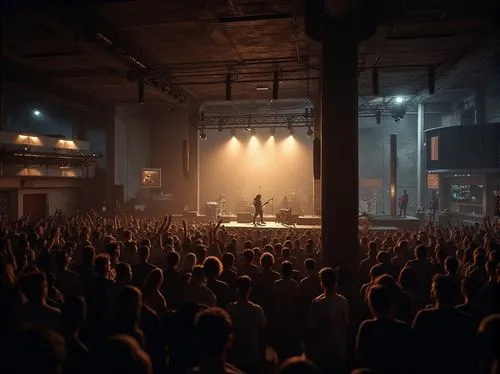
[102, 48]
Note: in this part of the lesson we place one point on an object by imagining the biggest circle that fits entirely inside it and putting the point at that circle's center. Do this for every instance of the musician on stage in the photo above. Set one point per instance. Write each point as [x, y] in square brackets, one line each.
[257, 204]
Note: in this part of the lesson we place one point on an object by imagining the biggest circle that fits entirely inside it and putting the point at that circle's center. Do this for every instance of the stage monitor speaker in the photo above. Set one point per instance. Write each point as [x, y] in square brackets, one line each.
[191, 214]
[317, 158]
[244, 217]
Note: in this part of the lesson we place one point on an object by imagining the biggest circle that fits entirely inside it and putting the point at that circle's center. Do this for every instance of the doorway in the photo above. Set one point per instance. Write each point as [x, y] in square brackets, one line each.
[35, 205]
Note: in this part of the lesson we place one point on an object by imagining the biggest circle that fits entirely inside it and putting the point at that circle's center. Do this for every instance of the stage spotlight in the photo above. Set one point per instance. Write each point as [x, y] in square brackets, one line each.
[220, 126]
[36, 113]
[273, 131]
[309, 132]
[378, 117]
[233, 132]
[289, 126]
[399, 99]
[203, 134]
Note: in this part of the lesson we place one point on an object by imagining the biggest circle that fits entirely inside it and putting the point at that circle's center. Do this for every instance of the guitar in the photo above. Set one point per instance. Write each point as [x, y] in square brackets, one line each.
[267, 202]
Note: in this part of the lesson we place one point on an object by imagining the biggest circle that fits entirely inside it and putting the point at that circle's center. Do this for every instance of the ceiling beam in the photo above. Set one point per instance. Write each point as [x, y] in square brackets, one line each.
[27, 79]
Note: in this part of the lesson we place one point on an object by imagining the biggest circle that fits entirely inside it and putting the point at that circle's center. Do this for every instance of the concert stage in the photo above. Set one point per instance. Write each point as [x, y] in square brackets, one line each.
[270, 225]
[377, 223]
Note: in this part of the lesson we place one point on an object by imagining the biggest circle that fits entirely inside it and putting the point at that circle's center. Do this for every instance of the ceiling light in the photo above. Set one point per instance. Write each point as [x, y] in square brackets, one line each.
[259, 88]
[399, 99]
[36, 112]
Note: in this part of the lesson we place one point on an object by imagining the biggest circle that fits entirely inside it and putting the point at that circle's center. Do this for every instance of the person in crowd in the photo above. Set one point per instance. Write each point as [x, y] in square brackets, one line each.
[35, 311]
[298, 365]
[143, 267]
[121, 353]
[248, 329]
[310, 286]
[262, 290]
[471, 288]
[197, 291]
[489, 349]
[213, 329]
[446, 337]
[229, 273]
[73, 317]
[127, 314]
[396, 354]
[67, 281]
[248, 267]
[213, 269]
[422, 265]
[151, 294]
[370, 261]
[285, 314]
[34, 350]
[171, 287]
[327, 326]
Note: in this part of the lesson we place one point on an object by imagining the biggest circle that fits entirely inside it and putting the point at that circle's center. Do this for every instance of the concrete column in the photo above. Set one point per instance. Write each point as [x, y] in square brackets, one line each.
[421, 169]
[488, 196]
[108, 117]
[339, 134]
[393, 176]
[194, 160]
[317, 135]
[480, 117]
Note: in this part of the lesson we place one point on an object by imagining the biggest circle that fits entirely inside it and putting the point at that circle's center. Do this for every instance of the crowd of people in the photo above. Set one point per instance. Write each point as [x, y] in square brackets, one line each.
[122, 294]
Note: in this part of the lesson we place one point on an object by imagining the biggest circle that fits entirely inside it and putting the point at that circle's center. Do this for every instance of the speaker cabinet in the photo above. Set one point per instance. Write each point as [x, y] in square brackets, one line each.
[244, 217]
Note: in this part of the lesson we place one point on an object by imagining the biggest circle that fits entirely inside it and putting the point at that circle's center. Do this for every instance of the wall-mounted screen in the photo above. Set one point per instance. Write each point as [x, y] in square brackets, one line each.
[466, 192]
[151, 178]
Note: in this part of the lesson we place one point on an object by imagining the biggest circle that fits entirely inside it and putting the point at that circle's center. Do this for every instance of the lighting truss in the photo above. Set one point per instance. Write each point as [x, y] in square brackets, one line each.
[243, 121]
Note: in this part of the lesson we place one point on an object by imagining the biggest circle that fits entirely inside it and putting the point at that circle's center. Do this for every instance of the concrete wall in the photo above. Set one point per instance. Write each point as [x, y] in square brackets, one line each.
[374, 153]
[170, 128]
[132, 146]
[65, 199]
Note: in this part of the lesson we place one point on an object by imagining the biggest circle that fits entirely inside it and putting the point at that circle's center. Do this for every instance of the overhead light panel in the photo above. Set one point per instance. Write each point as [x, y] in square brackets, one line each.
[262, 88]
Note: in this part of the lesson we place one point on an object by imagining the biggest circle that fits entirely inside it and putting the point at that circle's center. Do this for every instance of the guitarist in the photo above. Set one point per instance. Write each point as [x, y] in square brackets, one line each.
[257, 204]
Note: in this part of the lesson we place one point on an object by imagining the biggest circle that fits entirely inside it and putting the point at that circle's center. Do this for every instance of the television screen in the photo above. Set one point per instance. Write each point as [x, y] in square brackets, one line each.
[466, 192]
[151, 178]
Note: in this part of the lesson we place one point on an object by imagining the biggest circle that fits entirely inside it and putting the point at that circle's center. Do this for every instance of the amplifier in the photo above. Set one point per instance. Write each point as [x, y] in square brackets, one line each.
[244, 217]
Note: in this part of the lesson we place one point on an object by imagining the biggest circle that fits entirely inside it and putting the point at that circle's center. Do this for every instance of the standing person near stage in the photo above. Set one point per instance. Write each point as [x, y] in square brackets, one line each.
[403, 204]
[257, 204]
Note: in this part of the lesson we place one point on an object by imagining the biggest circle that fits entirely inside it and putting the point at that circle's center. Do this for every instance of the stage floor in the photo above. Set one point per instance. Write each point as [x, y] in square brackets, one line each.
[278, 226]
[270, 225]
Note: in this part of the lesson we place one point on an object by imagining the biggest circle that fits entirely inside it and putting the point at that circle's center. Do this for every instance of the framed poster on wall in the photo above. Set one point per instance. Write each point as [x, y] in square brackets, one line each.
[150, 178]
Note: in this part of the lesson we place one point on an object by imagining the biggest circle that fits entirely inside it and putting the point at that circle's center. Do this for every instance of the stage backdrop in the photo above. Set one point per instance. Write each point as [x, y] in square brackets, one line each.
[237, 168]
